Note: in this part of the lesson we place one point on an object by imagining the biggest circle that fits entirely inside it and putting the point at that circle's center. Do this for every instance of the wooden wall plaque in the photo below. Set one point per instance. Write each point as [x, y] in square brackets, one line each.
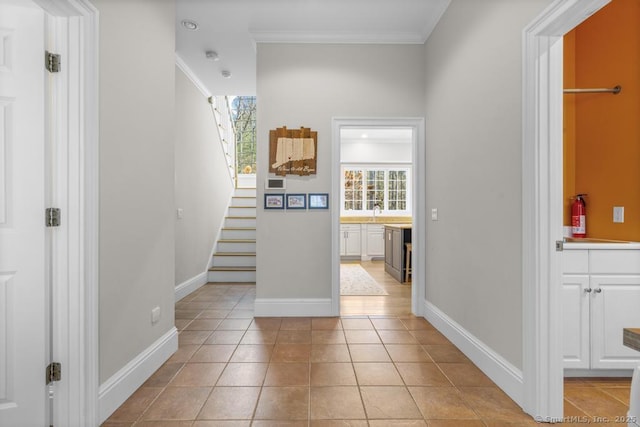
[293, 151]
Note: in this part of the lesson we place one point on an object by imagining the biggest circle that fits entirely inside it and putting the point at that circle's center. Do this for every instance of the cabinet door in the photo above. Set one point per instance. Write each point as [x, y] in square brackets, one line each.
[575, 321]
[352, 242]
[343, 242]
[615, 302]
[375, 241]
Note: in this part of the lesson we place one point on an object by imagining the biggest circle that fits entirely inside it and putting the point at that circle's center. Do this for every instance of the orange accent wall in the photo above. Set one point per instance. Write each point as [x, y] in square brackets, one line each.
[607, 127]
[569, 124]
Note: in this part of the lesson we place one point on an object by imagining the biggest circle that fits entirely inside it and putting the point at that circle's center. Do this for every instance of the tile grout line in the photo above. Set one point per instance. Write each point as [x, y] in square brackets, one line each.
[239, 303]
[355, 374]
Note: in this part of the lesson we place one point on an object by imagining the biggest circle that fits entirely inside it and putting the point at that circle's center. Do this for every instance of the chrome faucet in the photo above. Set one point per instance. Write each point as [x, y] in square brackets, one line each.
[376, 210]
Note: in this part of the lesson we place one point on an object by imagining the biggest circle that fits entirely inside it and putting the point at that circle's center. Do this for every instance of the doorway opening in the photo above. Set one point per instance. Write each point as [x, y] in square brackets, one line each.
[375, 195]
[542, 204]
[377, 191]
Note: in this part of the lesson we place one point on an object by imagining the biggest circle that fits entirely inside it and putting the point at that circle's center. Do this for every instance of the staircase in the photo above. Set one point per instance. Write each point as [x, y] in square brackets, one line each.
[234, 258]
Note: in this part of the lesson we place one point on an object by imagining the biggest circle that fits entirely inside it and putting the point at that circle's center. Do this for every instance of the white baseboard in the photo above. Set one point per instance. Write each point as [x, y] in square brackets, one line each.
[504, 374]
[191, 285]
[293, 307]
[117, 389]
[617, 373]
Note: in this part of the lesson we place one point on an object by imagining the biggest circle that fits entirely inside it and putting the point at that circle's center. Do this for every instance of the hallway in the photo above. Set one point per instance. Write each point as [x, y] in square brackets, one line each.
[376, 370]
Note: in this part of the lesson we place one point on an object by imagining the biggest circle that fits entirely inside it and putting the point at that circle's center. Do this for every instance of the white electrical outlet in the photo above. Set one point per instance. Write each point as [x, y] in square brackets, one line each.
[434, 214]
[155, 315]
[618, 214]
[180, 213]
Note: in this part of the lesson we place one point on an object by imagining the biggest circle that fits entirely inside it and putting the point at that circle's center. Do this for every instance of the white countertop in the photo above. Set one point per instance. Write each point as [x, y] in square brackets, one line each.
[401, 226]
[601, 244]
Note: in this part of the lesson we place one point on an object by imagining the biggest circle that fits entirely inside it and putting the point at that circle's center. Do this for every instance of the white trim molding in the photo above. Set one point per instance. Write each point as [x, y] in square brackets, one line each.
[192, 76]
[190, 285]
[293, 307]
[501, 372]
[542, 203]
[338, 38]
[419, 202]
[74, 32]
[117, 389]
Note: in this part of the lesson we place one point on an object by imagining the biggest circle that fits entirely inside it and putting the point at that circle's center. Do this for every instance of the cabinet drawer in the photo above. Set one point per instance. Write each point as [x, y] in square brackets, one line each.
[349, 227]
[379, 228]
[614, 261]
[575, 261]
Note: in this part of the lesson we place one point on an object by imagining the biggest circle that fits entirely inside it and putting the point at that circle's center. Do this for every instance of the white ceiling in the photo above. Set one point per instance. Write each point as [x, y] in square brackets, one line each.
[233, 27]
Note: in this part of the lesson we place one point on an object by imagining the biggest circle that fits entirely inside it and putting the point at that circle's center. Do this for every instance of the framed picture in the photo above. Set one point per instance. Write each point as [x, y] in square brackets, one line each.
[274, 201]
[296, 201]
[318, 201]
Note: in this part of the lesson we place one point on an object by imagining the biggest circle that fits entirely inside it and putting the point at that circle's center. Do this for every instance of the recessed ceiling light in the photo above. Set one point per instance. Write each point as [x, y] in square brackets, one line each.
[190, 25]
[212, 55]
[364, 135]
[226, 74]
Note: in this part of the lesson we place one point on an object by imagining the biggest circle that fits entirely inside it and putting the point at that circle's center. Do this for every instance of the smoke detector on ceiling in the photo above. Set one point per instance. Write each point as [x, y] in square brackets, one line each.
[189, 24]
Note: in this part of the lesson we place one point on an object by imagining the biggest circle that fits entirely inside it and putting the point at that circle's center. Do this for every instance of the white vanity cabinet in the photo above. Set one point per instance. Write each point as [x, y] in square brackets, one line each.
[614, 306]
[575, 321]
[600, 297]
[350, 236]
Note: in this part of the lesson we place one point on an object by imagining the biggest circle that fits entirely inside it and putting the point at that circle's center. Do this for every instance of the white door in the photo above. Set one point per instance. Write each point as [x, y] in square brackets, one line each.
[23, 309]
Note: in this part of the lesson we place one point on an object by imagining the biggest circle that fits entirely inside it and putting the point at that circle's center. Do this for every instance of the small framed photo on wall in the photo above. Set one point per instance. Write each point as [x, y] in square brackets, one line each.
[296, 201]
[318, 201]
[274, 201]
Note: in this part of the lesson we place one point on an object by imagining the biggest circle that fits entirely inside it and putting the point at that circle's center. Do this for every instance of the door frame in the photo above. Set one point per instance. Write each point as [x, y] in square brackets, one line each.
[542, 206]
[419, 186]
[72, 30]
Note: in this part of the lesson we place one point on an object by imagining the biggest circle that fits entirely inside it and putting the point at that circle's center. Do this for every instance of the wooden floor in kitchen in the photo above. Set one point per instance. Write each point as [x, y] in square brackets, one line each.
[397, 303]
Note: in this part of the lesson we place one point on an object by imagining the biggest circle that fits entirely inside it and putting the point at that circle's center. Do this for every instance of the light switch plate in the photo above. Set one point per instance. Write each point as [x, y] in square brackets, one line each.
[618, 214]
[155, 315]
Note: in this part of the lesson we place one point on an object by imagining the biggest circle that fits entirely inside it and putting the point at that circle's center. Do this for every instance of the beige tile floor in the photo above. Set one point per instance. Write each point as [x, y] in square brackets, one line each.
[384, 369]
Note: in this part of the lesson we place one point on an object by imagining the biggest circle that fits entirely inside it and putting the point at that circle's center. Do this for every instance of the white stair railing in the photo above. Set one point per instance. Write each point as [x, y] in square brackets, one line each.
[222, 117]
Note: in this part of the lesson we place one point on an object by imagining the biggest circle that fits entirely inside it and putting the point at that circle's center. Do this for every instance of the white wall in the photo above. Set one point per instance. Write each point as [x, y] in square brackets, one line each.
[307, 85]
[474, 137]
[202, 182]
[378, 152]
[136, 261]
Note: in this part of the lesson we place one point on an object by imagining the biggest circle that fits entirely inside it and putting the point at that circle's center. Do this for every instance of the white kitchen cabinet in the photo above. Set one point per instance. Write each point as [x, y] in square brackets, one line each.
[350, 236]
[375, 241]
[600, 297]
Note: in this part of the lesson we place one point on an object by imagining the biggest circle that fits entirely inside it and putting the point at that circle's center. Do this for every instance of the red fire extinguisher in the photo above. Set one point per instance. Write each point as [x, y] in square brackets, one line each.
[579, 217]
